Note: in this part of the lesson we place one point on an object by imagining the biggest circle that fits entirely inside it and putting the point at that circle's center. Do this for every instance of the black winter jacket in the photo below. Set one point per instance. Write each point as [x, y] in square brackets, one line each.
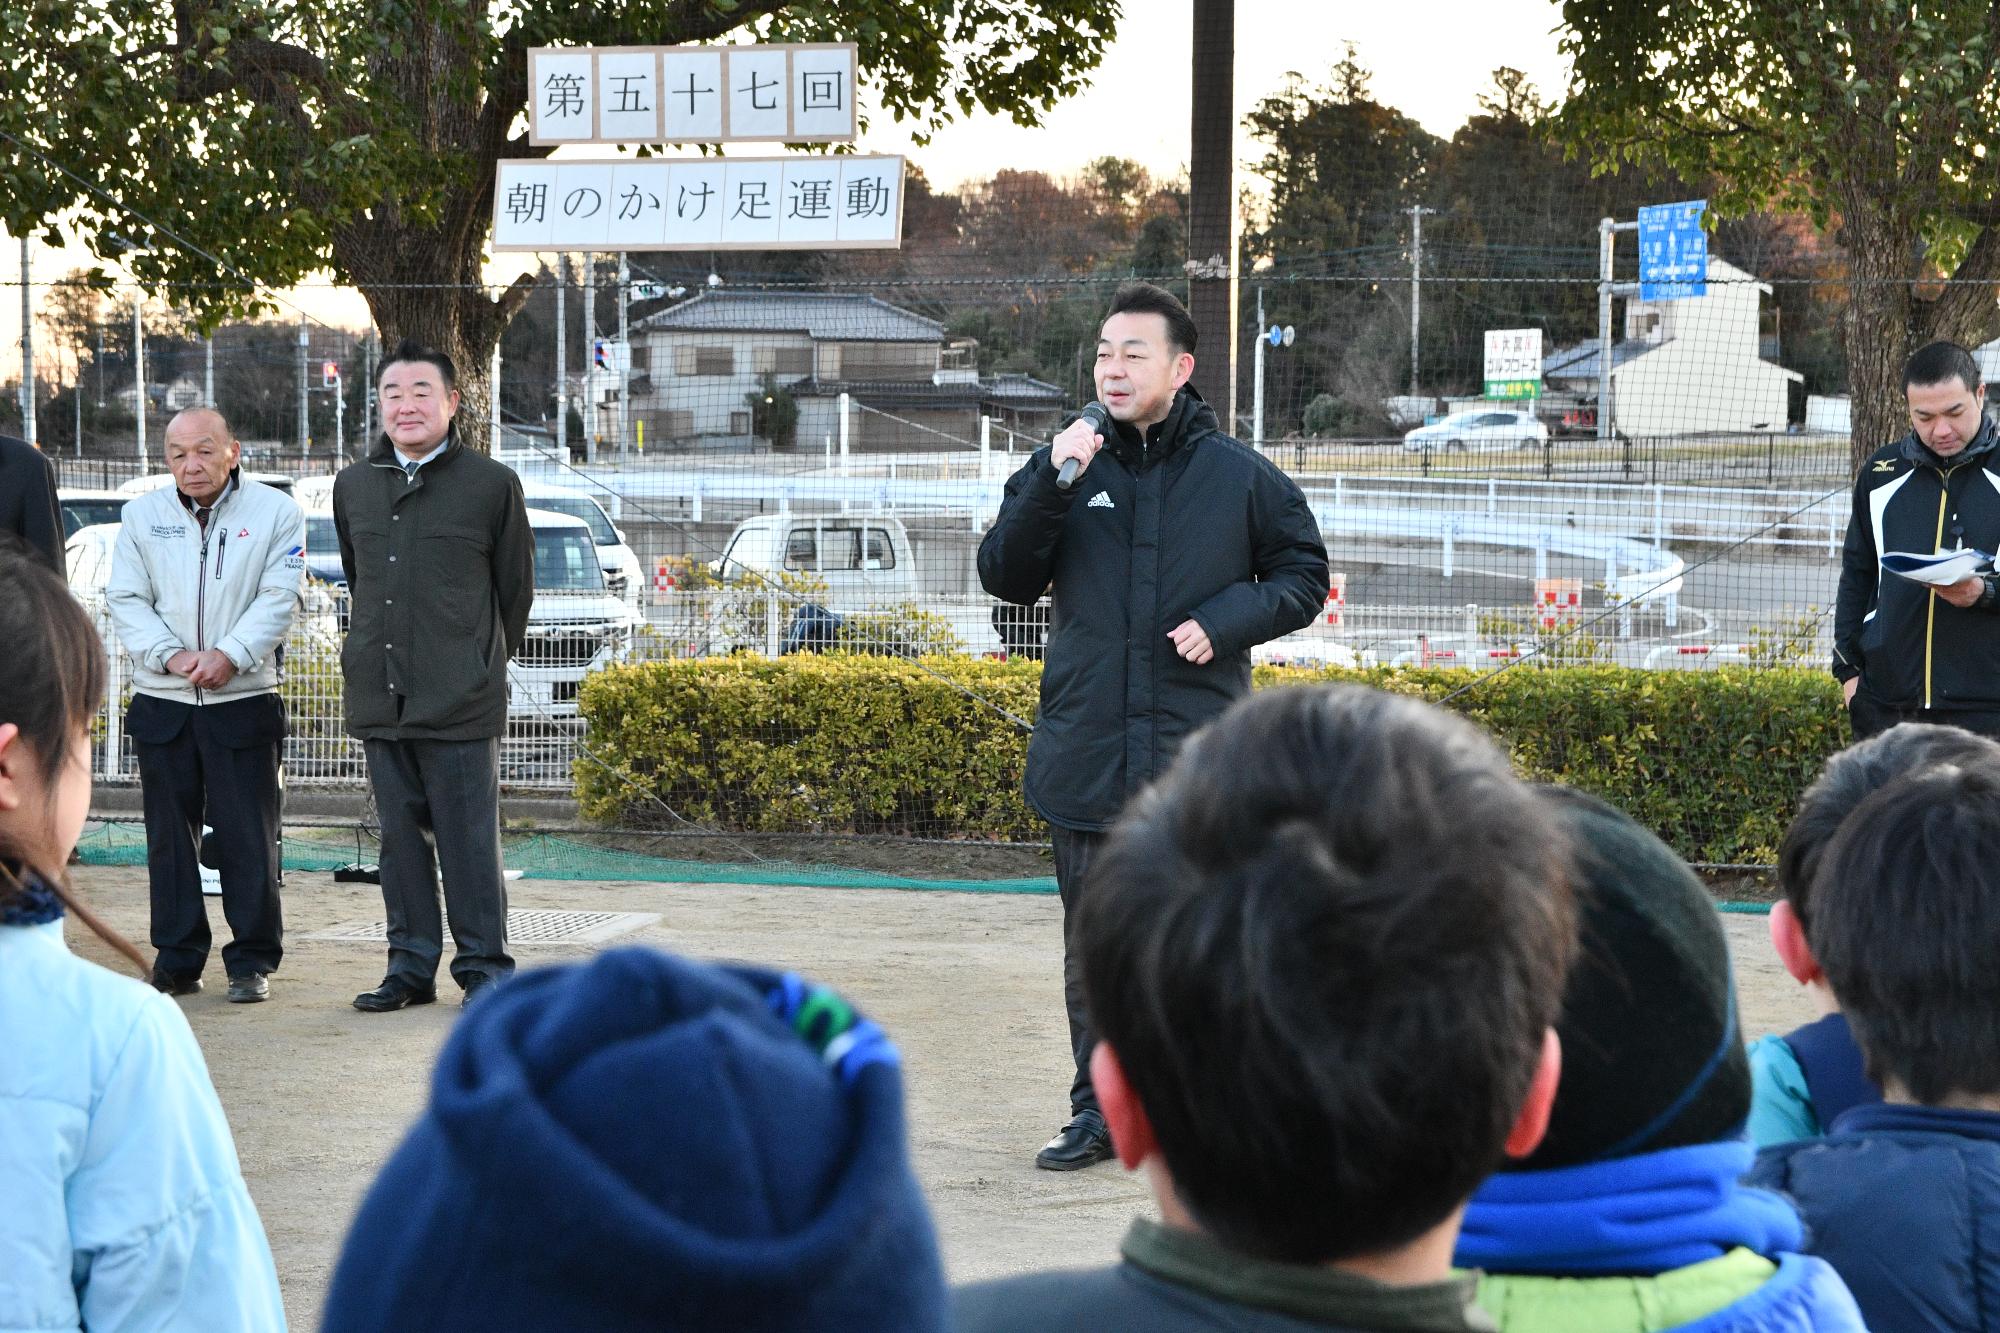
[28, 501]
[1186, 524]
[1912, 648]
[1901, 1201]
[441, 577]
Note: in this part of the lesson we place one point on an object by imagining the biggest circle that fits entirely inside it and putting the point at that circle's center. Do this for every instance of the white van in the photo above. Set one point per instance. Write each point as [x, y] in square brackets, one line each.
[865, 560]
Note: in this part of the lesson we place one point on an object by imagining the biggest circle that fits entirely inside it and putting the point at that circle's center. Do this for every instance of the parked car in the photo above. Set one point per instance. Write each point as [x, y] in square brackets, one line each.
[624, 577]
[1480, 429]
[84, 509]
[576, 626]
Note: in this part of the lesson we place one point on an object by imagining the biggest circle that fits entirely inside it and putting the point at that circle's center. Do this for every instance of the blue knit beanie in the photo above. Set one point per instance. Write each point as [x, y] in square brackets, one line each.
[645, 1142]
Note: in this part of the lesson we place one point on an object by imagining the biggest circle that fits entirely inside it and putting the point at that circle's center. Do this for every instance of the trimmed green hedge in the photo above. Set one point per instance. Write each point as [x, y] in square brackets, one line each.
[1711, 760]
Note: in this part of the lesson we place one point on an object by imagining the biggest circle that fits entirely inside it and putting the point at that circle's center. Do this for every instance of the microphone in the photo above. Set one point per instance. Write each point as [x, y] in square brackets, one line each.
[1099, 417]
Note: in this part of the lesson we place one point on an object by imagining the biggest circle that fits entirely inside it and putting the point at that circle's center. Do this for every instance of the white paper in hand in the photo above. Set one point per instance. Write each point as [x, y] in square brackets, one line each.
[1940, 569]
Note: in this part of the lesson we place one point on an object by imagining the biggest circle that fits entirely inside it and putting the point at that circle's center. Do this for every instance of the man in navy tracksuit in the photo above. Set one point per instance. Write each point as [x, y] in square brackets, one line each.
[1175, 551]
[1905, 651]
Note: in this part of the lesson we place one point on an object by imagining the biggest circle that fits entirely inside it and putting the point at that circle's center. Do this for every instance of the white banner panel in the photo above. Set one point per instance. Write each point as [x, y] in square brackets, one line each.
[714, 203]
[799, 92]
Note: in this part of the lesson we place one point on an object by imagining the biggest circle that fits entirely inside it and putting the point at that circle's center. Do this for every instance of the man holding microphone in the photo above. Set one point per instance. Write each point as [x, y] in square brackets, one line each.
[1171, 550]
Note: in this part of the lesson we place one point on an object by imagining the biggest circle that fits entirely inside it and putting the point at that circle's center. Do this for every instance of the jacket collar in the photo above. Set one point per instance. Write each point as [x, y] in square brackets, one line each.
[1982, 445]
[1305, 1291]
[384, 453]
[1188, 419]
[1893, 1117]
[229, 488]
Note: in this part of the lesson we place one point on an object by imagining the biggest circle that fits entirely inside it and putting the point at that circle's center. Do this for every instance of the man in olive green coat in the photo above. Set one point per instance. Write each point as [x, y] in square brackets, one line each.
[440, 565]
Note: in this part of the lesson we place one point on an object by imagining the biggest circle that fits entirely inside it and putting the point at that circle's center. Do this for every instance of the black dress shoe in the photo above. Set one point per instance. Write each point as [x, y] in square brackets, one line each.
[394, 993]
[169, 983]
[475, 983]
[249, 988]
[1084, 1141]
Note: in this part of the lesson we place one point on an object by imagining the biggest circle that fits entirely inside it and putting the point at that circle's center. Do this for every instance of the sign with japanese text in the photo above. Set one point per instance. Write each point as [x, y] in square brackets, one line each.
[793, 93]
[705, 203]
[1673, 251]
[1513, 363]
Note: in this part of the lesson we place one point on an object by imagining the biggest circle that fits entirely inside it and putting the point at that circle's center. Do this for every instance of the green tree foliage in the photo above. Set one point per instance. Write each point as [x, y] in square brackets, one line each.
[1341, 166]
[1882, 119]
[248, 145]
[774, 413]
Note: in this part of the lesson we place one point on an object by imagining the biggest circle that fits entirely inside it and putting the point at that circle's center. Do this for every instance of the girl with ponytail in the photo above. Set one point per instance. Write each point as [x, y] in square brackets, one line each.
[126, 1207]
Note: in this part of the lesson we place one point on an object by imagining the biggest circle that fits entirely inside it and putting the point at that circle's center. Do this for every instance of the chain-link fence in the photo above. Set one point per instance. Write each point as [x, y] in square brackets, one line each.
[771, 467]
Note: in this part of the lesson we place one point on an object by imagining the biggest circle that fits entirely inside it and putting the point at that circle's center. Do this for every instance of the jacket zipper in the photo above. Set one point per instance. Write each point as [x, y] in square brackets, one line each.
[1930, 613]
[201, 598]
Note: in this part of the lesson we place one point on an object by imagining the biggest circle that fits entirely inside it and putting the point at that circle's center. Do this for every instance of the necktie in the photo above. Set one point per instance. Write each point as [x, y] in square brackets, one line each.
[201, 514]
[411, 468]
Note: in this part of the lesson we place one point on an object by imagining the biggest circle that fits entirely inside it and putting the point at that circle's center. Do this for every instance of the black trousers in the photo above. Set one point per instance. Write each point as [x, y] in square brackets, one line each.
[218, 763]
[1871, 717]
[439, 802]
[1074, 852]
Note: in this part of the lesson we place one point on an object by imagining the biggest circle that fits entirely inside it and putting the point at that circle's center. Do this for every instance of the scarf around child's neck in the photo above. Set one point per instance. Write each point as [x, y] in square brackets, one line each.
[33, 904]
[1635, 1216]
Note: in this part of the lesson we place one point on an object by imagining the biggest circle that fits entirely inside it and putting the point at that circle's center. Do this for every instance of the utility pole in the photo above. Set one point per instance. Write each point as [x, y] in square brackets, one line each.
[305, 414]
[589, 358]
[562, 361]
[370, 350]
[1212, 204]
[208, 370]
[1416, 213]
[625, 355]
[27, 349]
[139, 366]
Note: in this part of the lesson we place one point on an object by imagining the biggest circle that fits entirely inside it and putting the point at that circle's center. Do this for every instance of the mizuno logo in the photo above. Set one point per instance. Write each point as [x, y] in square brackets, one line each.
[1101, 500]
[1886, 465]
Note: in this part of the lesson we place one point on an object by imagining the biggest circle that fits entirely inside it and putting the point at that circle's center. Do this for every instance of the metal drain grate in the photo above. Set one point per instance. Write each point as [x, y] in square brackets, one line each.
[528, 926]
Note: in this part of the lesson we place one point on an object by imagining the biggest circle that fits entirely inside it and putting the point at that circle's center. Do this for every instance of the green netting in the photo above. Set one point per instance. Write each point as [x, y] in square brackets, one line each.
[542, 856]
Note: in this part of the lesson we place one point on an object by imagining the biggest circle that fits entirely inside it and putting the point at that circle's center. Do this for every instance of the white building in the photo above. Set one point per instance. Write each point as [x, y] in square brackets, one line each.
[695, 366]
[1687, 366]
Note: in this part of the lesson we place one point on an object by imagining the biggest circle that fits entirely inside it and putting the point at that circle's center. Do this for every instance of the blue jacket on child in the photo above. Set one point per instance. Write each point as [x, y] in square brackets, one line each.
[1900, 1200]
[124, 1207]
[1805, 1080]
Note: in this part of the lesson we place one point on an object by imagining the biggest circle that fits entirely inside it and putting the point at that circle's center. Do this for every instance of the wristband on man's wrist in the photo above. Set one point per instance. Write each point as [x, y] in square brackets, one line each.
[1990, 593]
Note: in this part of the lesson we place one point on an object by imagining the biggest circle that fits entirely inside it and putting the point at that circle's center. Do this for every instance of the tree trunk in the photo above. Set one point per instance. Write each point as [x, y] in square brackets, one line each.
[1876, 329]
[465, 326]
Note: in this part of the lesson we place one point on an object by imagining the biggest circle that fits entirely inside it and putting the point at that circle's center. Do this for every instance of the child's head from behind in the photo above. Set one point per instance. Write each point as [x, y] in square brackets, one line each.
[54, 686]
[1850, 778]
[1906, 923]
[1325, 954]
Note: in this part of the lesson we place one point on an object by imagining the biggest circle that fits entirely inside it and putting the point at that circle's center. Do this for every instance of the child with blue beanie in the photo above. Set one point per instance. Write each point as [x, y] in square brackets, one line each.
[1629, 1216]
[645, 1142]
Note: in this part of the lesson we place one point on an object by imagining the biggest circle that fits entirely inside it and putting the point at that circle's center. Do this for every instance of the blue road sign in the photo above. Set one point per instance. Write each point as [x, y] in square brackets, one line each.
[1673, 251]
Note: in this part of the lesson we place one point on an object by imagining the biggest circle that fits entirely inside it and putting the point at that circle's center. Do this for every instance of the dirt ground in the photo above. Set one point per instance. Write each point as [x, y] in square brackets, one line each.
[968, 984]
